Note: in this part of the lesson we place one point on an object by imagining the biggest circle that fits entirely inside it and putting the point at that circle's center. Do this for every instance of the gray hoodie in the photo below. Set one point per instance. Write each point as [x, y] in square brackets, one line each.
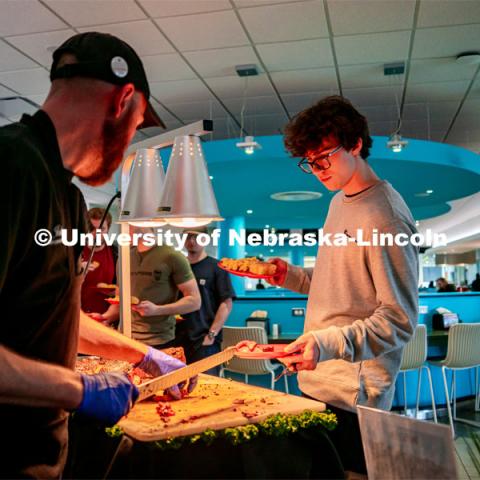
[362, 301]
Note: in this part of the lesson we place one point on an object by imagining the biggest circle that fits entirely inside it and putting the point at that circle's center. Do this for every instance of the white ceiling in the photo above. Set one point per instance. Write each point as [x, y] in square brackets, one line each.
[304, 49]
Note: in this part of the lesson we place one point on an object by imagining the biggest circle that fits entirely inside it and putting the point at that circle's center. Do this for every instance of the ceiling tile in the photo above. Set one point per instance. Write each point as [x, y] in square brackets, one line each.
[306, 80]
[221, 62]
[13, 60]
[204, 31]
[255, 105]
[6, 92]
[380, 114]
[265, 124]
[439, 70]
[234, 87]
[373, 48]
[293, 55]
[445, 41]
[13, 109]
[197, 110]
[448, 12]
[82, 13]
[171, 8]
[169, 66]
[256, 3]
[40, 46]
[296, 102]
[279, 23]
[27, 82]
[475, 91]
[370, 16]
[164, 114]
[180, 91]
[26, 16]
[436, 92]
[39, 99]
[142, 35]
[382, 128]
[438, 114]
[468, 117]
[371, 75]
[364, 97]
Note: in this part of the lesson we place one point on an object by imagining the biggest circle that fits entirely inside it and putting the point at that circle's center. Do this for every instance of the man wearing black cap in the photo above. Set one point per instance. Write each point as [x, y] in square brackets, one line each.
[99, 97]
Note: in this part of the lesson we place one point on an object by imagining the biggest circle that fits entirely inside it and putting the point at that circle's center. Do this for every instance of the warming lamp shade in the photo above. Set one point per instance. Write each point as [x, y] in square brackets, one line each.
[188, 199]
[144, 191]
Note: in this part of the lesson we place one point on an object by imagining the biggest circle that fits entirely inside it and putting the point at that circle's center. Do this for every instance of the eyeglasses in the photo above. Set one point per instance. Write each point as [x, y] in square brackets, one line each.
[320, 163]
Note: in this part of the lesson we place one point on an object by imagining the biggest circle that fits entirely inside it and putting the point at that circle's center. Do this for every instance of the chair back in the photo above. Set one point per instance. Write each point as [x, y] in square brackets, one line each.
[398, 447]
[463, 350]
[415, 351]
[233, 335]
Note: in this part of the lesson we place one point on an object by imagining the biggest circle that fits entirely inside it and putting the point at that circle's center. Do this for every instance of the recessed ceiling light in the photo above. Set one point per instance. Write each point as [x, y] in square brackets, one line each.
[429, 191]
[468, 58]
[271, 250]
[249, 212]
[211, 178]
[296, 196]
[267, 226]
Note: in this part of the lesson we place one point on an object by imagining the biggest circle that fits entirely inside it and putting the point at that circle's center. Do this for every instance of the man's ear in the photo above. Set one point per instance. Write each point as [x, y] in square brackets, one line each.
[357, 148]
[122, 98]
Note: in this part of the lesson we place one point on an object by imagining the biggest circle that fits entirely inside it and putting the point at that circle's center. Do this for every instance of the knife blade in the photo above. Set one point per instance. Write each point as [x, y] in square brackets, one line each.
[163, 382]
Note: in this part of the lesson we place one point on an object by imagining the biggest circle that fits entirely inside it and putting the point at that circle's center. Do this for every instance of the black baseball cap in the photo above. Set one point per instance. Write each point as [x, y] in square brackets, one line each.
[105, 57]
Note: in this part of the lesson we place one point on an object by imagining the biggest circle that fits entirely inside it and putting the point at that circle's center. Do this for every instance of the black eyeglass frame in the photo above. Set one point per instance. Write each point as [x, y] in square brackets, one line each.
[302, 164]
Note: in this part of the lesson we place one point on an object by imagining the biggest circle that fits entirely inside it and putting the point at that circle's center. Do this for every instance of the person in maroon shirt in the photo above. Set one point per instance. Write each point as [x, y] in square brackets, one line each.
[102, 268]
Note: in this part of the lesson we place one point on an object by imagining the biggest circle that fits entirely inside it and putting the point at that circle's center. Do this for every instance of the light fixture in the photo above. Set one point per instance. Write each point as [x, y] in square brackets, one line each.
[188, 199]
[429, 191]
[145, 186]
[249, 212]
[468, 58]
[396, 143]
[249, 145]
[296, 196]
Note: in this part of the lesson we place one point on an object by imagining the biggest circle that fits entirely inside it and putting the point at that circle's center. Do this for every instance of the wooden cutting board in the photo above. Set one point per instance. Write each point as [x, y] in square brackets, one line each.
[216, 403]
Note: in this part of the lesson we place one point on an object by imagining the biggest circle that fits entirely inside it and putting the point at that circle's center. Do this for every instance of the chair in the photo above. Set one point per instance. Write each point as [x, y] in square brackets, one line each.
[413, 359]
[463, 351]
[233, 335]
[398, 447]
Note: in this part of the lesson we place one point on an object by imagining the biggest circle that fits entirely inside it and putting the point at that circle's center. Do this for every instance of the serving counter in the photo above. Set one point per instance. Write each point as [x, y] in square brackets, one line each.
[224, 429]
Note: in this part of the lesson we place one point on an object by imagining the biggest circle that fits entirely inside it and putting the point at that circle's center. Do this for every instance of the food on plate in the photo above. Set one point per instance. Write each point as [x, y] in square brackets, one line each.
[262, 268]
[116, 299]
[248, 265]
[106, 285]
[249, 346]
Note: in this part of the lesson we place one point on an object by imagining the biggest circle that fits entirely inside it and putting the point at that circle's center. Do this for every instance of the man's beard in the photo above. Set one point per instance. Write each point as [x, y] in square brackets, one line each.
[115, 140]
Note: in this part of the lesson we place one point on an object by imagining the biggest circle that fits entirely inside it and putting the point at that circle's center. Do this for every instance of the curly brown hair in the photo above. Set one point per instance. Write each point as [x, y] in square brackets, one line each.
[332, 116]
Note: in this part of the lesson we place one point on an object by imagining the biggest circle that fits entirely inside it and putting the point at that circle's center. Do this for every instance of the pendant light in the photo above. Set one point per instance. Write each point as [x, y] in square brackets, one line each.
[144, 191]
[188, 199]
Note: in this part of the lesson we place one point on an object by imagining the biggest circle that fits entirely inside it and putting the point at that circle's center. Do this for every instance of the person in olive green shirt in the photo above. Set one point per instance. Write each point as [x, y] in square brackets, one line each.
[159, 274]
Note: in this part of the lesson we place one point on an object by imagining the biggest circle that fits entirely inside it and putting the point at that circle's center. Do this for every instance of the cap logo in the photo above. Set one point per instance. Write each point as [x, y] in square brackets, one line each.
[119, 67]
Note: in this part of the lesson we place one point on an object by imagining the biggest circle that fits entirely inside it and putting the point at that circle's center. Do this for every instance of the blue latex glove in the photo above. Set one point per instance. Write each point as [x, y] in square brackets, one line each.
[157, 363]
[107, 396]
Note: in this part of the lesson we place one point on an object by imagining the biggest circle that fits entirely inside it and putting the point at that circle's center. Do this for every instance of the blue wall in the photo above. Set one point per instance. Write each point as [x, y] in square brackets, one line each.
[279, 304]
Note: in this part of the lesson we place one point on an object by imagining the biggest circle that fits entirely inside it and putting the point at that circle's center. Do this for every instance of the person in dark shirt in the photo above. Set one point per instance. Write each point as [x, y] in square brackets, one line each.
[99, 97]
[260, 285]
[200, 333]
[443, 286]
[476, 283]
[102, 268]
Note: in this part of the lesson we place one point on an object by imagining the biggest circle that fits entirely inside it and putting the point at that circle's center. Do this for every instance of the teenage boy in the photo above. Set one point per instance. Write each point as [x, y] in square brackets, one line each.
[362, 305]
